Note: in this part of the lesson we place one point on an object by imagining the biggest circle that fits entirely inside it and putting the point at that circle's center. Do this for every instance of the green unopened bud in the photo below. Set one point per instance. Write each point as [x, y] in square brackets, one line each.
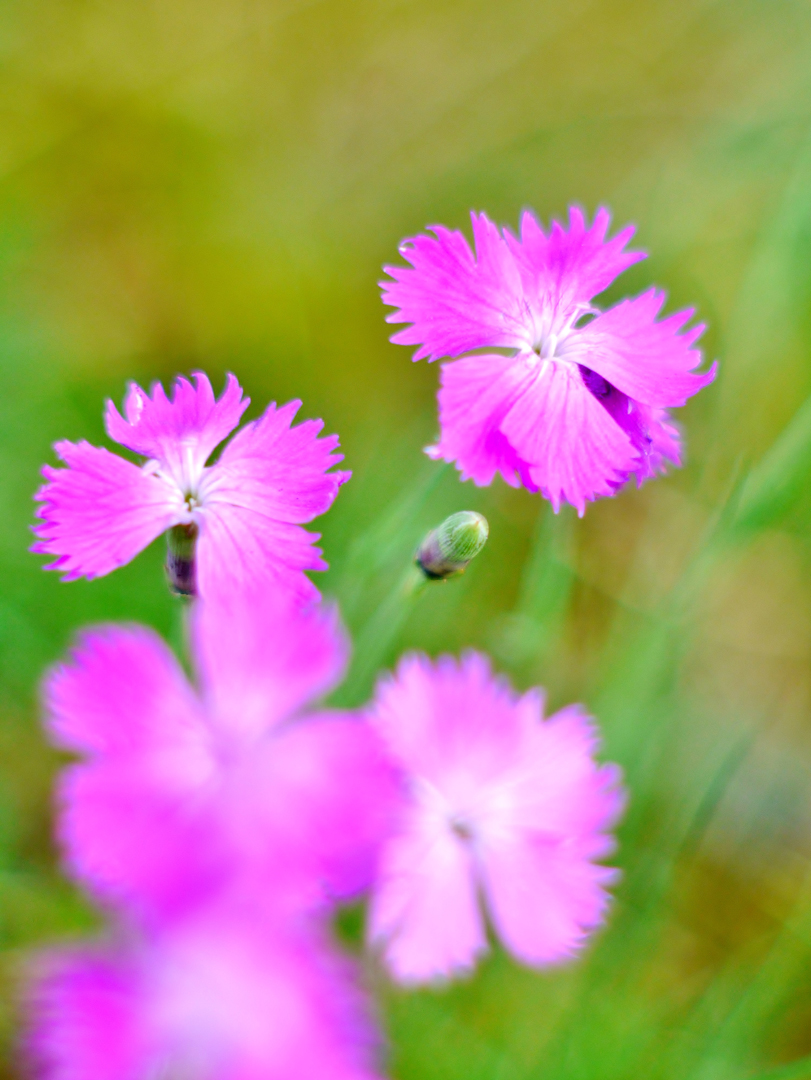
[181, 540]
[447, 550]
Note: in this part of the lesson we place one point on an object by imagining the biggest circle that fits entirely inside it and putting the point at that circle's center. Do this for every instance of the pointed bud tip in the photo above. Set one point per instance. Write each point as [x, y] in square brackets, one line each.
[447, 550]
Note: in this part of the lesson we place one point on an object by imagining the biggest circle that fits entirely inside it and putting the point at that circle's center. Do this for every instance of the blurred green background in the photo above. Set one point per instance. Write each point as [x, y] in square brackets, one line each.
[215, 185]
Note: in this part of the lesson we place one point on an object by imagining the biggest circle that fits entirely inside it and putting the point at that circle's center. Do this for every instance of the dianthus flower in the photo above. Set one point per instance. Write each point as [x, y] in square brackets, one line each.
[244, 511]
[216, 997]
[576, 402]
[495, 800]
[232, 785]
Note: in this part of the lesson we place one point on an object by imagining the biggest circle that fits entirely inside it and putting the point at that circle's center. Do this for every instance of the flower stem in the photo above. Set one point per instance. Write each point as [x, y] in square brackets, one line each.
[180, 636]
[379, 633]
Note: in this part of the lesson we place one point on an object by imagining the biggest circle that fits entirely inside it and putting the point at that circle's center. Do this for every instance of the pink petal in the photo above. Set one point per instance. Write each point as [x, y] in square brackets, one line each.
[262, 655]
[655, 438]
[297, 820]
[181, 433]
[133, 822]
[534, 421]
[309, 809]
[564, 269]
[85, 1023]
[230, 996]
[122, 691]
[475, 396]
[141, 835]
[183, 797]
[544, 890]
[432, 715]
[454, 301]
[651, 361]
[269, 480]
[424, 911]
[100, 512]
[496, 796]
[241, 548]
[665, 442]
[558, 788]
[544, 896]
[220, 997]
[574, 450]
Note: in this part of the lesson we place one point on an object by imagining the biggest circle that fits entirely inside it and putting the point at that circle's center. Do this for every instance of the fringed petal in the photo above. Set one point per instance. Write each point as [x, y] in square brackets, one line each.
[100, 512]
[179, 432]
[271, 478]
[455, 301]
[652, 361]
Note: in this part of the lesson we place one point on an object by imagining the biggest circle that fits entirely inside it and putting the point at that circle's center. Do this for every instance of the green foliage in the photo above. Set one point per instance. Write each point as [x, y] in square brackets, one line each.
[216, 184]
[780, 479]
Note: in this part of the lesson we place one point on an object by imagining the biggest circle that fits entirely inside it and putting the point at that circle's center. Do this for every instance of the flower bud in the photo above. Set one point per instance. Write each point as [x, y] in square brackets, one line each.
[181, 541]
[447, 550]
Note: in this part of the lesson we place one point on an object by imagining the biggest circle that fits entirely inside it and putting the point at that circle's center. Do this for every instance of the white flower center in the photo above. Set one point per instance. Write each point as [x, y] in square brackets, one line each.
[549, 331]
[185, 476]
[460, 826]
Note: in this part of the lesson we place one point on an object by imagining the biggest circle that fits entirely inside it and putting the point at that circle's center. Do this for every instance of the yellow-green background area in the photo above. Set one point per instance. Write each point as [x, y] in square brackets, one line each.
[215, 184]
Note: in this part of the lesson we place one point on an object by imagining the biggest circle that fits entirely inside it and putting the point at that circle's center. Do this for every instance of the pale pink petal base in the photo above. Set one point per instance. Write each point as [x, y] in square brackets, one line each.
[424, 912]
[222, 997]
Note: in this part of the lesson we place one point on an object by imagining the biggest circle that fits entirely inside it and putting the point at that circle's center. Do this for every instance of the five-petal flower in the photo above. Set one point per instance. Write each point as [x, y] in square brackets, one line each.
[247, 507]
[223, 995]
[497, 800]
[235, 786]
[550, 392]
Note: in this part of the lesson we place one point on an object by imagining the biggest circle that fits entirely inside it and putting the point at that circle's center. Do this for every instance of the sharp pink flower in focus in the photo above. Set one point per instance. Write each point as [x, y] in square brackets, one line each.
[496, 801]
[102, 510]
[568, 407]
[235, 784]
[217, 997]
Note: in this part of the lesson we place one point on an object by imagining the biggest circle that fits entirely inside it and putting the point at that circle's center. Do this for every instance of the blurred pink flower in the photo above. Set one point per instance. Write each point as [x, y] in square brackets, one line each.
[495, 799]
[217, 997]
[235, 786]
[568, 408]
[100, 511]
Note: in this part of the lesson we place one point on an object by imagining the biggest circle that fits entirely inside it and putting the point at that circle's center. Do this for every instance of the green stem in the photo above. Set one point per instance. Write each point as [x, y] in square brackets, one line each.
[795, 1070]
[180, 633]
[379, 633]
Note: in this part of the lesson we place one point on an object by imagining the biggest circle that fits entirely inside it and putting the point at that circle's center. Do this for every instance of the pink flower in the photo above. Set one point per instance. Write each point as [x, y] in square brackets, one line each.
[498, 801]
[232, 785]
[218, 997]
[561, 405]
[100, 511]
